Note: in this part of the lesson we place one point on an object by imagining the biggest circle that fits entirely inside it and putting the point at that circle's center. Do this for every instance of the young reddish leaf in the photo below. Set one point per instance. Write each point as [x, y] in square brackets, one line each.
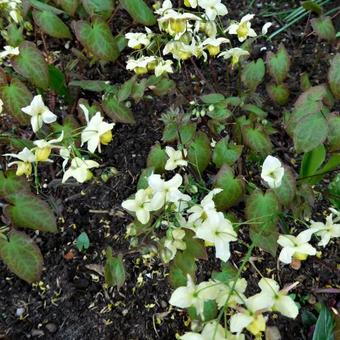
[278, 64]
[22, 256]
[324, 28]
[97, 38]
[257, 140]
[253, 73]
[279, 94]
[285, 193]
[31, 64]
[28, 211]
[334, 76]
[16, 96]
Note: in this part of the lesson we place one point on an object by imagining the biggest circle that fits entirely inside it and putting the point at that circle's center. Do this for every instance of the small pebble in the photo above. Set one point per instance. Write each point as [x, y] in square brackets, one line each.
[20, 311]
[51, 327]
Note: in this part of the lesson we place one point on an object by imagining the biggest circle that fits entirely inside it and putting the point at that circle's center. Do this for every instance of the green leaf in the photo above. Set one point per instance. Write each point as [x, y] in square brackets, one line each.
[312, 161]
[212, 98]
[22, 256]
[219, 112]
[90, 85]
[157, 158]
[28, 211]
[57, 81]
[50, 24]
[160, 86]
[225, 153]
[227, 273]
[83, 241]
[177, 276]
[332, 164]
[233, 188]
[121, 42]
[334, 76]
[114, 270]
[278, 64]
[253, 73]
[15, 35]
[139, 11]
[334, 133]
[324, 326]
[44, 7]
[16, 96]
[285, 193]
[186, 263]
[209, 311]
[324, 28]
[126, 89]
[194, 246]
[143, 178]
[97, 38]
[10, 184]
[257, 140]
[187, 132]
[312, 6]
[199, 152]
[104, 8]
[31, 64]
[262, 212]
[334, 191]
[310, 132]
[305, 82]
[257, 111]
[279, 94]
[69, 6]
[117, 111]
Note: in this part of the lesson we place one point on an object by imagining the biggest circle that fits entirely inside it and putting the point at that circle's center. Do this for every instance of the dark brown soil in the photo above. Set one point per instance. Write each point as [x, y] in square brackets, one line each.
[70, 301]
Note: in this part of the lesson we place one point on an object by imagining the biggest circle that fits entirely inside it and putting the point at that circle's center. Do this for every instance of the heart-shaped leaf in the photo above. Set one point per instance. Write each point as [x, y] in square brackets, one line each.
[257, 140]
[278, 64]
[285, 193]
[233, 188]
[279, 94]
[45, 7]
[22, 256]
[31, 64]
[117, 111]
[28, 211]
[104, 8]
[199, 152]
[253, 73]
[262, 212]
[324, 28]
[51, 24]
[97, 38]
[10, 184]
[226, 153]
[16, 96]
[139, 11]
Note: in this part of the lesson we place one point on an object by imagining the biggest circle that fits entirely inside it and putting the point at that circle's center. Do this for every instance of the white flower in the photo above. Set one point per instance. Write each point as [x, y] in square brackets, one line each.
[166, 191]
[175, 158]
[1, 105]
[9, 50]
[213, 45]
[166, 5]
[97, 131]
[182, 51]
[212, 331]
[235, 54]
[326, 231]
[236, 296]
[39, 113]
[336, 213]
[26, 158]
[138, 40]
[176, 242]
[141, 65]
[190, 3]
[219, 231]
[250, 318]
[200, 213]
[192, 295]
[243, 28]
[295, 247]
[140, 205]
[44, 148]
[65, 154]
[272, 172]
[265, 27]
[163, 66]
[79, 169]
[213, 8]
[271, 297]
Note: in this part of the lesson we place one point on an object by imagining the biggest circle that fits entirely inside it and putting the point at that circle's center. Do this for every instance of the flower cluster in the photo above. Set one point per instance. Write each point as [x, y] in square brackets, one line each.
[94, 134]
[246, 312]
[298, 247]
[13, 8]
[187, 34]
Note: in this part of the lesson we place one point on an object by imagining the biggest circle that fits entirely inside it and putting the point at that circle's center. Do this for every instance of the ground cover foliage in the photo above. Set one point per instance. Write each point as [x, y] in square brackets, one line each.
[169, 169]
